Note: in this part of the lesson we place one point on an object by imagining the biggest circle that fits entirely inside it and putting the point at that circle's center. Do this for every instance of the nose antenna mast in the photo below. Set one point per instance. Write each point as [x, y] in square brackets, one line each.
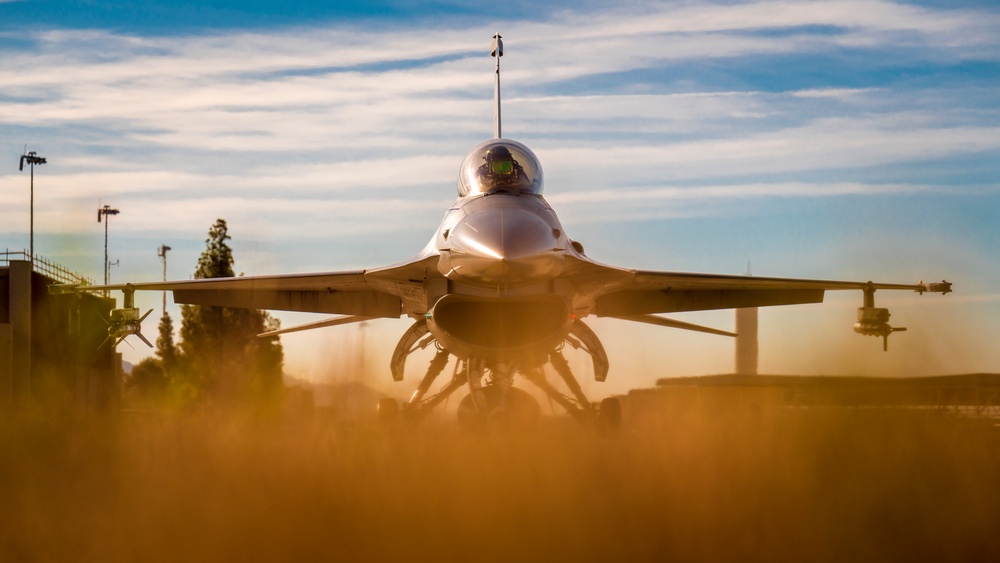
[497, 52]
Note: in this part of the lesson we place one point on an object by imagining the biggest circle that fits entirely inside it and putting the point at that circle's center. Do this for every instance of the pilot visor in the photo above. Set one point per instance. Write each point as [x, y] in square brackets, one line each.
[502, 166]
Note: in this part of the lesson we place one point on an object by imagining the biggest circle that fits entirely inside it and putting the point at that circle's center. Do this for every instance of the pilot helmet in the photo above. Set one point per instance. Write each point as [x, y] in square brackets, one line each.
[500, 160]
[500, 164]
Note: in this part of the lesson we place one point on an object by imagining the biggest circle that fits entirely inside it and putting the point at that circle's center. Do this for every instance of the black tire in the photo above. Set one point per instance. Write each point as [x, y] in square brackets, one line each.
[499, 422]
[387, 411]
[609, 415]
[521, 411]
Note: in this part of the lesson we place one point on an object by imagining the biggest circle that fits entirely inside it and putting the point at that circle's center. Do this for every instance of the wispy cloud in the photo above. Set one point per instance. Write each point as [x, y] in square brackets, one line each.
[610, 204]
[333, 144]
[637, 100]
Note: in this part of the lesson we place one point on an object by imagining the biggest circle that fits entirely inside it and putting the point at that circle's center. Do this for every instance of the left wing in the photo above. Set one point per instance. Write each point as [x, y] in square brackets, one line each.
[616, 292]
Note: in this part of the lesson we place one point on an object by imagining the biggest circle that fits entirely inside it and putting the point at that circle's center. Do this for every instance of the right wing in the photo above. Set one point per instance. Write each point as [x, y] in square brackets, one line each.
[384, 292]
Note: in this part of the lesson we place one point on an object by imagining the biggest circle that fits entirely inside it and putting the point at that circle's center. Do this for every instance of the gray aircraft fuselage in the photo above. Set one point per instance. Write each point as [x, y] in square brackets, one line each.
[501, 249]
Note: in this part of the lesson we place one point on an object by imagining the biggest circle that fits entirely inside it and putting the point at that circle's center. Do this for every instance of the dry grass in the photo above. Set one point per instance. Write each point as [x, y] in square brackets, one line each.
[698, 482]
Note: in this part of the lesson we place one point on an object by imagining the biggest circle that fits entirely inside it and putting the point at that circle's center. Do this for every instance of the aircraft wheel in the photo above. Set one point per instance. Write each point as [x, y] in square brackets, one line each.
[609, 415]
[470, 417]
[520, 412]
[522, 409]
[498, 421]
[388, 410]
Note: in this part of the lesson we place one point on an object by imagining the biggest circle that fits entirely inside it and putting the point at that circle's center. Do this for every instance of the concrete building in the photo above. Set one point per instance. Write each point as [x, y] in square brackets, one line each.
[51, 345]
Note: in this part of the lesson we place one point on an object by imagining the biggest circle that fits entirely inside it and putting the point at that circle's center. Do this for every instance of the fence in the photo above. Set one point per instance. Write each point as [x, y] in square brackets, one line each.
[45, 267]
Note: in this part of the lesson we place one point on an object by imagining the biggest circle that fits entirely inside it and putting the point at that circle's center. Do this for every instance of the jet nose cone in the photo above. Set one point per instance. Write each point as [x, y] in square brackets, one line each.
[510, 246]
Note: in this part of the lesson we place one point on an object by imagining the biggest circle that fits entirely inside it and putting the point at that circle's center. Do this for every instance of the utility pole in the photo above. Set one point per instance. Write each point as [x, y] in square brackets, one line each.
[747, 348]
[162, 253]
[106, 212]
[32, 159]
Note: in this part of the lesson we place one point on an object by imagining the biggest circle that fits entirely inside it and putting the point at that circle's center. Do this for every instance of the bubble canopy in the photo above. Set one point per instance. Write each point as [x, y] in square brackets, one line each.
[500, 166]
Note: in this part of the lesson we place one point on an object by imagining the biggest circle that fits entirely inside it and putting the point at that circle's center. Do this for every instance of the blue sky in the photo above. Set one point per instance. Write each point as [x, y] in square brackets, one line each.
[846, 140]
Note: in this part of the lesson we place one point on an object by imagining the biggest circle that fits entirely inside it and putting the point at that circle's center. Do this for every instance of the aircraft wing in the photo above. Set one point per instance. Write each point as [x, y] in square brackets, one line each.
[384, 292]
[616, 292]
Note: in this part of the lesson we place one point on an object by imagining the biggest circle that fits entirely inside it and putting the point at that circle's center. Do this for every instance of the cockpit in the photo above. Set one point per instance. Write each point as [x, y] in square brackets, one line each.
[500, 166]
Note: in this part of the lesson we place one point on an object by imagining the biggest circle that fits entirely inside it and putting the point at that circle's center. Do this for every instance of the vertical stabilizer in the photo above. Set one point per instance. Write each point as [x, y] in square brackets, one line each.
[496, 51]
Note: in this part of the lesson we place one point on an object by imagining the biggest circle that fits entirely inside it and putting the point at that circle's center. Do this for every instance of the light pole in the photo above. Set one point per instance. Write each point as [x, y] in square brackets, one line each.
[162, 253]
[32, 159]
[105, 212]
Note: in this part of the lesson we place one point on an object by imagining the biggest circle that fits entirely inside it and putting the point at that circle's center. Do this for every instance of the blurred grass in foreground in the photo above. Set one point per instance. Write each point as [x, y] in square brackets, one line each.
[701, 481]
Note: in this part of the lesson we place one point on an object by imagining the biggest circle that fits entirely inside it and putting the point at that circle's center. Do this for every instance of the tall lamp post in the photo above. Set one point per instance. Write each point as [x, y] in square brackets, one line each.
[106, 211]
[162, 253]
[32, 159]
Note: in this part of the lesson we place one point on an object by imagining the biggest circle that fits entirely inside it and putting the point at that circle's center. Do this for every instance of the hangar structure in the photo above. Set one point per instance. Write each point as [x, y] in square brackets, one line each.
[973, 395]
[51, 345]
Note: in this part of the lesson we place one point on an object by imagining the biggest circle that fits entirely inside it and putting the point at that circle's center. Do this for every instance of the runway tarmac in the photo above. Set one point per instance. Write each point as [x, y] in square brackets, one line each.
[698, 481]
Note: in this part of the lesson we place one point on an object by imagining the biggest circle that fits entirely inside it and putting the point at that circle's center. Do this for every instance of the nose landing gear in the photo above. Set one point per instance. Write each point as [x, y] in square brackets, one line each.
[493, 402]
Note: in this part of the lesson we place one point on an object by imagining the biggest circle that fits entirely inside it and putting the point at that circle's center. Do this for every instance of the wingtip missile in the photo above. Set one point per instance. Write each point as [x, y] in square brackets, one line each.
[942, 287]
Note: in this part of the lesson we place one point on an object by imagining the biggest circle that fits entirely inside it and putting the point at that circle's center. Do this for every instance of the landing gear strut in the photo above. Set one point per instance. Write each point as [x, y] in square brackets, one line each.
[493, 401]
[419, 404]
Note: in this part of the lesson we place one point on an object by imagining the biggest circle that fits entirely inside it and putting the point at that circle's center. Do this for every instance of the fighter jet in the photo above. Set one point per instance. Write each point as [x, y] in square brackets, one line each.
[503, 289]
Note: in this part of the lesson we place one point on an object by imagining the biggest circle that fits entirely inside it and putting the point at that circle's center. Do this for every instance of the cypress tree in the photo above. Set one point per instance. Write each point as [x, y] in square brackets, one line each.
[220, 352]
[165, 349]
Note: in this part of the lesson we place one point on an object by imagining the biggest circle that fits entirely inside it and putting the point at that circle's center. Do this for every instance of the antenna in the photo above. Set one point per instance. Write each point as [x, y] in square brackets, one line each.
[496, 51]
